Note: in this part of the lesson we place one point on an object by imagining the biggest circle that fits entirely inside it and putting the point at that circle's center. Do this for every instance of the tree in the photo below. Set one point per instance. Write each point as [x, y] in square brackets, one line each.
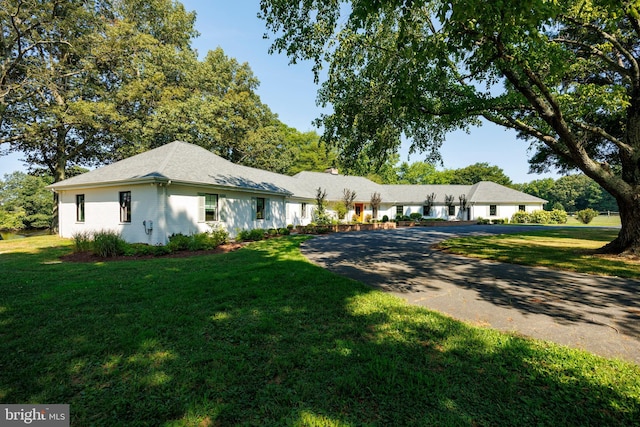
[376, 201]
[463, 205]
[480, 172]
[564, 74]
[415, 173]
[429, 203]
[84, 74]
[25, 202]
[320, 215]
[542, 188]
[348, 196]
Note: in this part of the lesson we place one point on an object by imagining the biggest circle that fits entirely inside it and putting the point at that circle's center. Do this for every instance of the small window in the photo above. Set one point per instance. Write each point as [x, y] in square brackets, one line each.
[80, 207]
[452, 210]
[522, 208]
[400, 210]
[303, 212]
[260, 204]
[426, 210]
[210, 207]
[493, 210]
[125, 206]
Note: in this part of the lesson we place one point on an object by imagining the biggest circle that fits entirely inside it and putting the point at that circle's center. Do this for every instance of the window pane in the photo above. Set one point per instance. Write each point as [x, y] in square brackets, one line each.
[211, 207]
[125, 206]
[260, 208]
[80, 207]
[399, 210]
[493, 210]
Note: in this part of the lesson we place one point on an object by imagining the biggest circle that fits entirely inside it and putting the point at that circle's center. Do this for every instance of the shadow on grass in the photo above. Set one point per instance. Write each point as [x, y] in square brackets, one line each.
[262, 337]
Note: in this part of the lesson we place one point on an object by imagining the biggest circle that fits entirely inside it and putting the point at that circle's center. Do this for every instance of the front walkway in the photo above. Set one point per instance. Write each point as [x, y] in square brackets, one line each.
[598, 314]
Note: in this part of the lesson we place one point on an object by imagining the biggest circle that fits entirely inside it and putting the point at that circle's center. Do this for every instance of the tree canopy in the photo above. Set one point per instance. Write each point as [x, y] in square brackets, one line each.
[91, 82]
[564, 74]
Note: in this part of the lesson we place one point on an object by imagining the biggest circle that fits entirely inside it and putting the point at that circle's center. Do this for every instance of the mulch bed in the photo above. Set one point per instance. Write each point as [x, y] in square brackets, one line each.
[91, 257]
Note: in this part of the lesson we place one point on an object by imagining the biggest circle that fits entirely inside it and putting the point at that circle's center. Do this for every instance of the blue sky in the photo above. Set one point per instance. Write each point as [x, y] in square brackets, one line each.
[290, 92]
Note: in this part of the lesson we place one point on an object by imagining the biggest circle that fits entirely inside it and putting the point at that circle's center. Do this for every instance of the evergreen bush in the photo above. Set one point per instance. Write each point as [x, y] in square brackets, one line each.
[585, 216]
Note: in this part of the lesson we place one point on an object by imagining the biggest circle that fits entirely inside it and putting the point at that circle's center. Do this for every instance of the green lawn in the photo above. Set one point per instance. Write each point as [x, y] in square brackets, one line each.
[599, 221]
[262, 337]
[569, 248]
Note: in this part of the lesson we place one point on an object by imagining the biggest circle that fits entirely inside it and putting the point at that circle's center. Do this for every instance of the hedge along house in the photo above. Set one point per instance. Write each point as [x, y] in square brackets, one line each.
[183, 188]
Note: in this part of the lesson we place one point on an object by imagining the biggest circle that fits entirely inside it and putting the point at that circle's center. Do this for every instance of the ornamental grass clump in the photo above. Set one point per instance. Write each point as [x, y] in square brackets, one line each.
[108, 243]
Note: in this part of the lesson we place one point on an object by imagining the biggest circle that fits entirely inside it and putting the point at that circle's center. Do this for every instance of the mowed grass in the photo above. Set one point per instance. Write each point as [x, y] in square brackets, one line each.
[262, 337]
[599, 221]
[570, 248]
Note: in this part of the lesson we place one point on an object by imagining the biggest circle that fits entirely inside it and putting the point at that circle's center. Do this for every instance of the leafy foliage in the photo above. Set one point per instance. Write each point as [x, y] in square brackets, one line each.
[25, 202]
[585, 216]
[564, 75]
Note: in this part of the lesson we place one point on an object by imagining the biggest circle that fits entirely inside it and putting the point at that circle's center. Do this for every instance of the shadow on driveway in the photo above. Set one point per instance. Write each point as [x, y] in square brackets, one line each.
[598, 314]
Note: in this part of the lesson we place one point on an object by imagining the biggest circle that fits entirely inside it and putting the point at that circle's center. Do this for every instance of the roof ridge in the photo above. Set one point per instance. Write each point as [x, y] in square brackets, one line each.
[173, 148]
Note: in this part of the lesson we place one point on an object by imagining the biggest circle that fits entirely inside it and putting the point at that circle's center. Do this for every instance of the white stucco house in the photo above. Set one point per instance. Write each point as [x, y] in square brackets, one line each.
[183, 188]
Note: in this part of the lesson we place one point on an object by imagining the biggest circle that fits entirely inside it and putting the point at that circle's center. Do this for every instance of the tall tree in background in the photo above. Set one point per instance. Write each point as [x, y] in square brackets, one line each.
[564, 74]
[78, 76]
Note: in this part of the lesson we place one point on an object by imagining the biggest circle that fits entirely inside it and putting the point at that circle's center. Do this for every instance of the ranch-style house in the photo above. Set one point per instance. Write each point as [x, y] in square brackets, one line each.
[184, 188]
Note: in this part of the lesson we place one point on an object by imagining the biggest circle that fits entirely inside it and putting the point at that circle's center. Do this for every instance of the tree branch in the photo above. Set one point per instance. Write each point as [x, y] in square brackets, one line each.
[597, 52]
[614, 42]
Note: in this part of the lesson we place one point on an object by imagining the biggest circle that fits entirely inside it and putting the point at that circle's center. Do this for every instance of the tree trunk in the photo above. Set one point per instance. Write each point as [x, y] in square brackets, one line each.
[628, 240]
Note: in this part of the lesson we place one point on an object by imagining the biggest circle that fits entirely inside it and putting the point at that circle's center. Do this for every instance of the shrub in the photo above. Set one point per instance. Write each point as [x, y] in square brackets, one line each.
[284, 231]
[367, 218]
[340, 209]
[290, 227]
[355, 218]
[272, 232]
[558, 216]
[520, 217]
[540, 217]
[82, 241]
[251, 235]
[178, 242]
[415, 216]
[108, 243]
[585, 216]
[385, 218]
[219, 236]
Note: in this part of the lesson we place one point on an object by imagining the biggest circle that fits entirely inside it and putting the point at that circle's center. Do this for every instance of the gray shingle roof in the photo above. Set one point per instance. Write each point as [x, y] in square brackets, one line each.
[336, 184]
[181, 162]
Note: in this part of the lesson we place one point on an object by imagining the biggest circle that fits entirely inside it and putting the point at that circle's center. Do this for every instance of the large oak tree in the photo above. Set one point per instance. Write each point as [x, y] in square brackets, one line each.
[564, 74]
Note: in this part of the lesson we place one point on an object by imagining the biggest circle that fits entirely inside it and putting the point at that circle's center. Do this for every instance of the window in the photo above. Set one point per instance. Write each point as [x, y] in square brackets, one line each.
[426, 210]
[80, 207]
[400, 210]
[125, 206]
[522, 208]
[452, 210]
[260, 205]
[493, 210]
[210, 207]
[303, 213]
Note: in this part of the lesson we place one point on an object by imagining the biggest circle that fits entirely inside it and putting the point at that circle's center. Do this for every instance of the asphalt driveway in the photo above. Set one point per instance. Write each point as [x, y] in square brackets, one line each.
[598, 314]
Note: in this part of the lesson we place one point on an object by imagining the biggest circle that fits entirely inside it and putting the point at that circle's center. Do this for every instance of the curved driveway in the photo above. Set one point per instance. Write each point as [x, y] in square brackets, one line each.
[598, 314]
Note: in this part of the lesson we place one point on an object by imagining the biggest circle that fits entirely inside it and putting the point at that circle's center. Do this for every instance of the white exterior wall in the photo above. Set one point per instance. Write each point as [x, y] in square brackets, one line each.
[171, 209]
[503, 211]
[437, 211]
[102, 212]
[236, 211]
[295, 214]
